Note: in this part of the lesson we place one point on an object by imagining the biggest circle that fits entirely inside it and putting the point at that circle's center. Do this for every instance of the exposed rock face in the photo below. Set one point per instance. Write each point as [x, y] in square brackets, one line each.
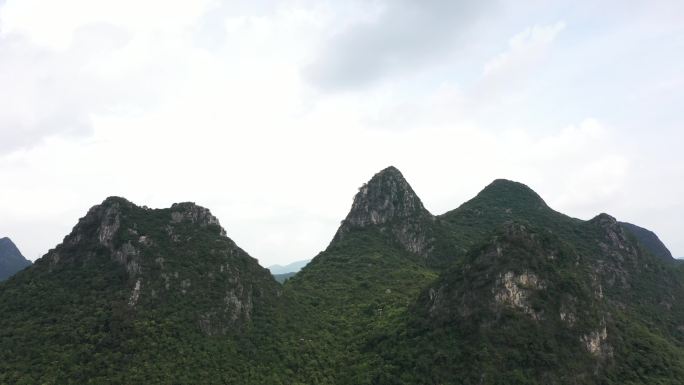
[170, 252]
[514, 290]
[99, 229]
[386, 197]
[457, 294]
[518, 294]
[524, 280]
[619, 256]
[616, 235]
[11, 260]
[189, 211]
[389, 202]
[109, 224]
[568, 316]
[101, 223]
[595, 342]
[135, 295]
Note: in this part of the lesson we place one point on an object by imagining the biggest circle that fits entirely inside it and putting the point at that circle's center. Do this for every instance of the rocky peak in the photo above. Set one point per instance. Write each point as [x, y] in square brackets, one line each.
[386, 197]
[620, 256]
[616, 235]
[101, 222]
[388, 201]
[189, 211]
[177, 251]
[605, 221]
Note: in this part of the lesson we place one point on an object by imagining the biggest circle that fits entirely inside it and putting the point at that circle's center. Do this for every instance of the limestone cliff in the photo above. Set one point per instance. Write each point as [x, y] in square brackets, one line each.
[389, 203]
[180, 254]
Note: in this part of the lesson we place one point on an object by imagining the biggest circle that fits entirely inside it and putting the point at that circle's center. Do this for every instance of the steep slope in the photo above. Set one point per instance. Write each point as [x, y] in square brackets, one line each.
[516, 308]
[649, 240]
[544, 305]
[11, 260]
[131, 296]
[387, 202]
[502, 290]
[373, 268]
[502, 201]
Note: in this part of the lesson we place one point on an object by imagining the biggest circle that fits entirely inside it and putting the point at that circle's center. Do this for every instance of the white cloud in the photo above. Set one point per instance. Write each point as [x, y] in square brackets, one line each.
[391, 37]
[523, 49]
[53, 24]
[214, 102]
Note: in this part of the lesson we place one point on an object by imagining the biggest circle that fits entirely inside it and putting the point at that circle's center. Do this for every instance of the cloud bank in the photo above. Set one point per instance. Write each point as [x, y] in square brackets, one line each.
[273, 113]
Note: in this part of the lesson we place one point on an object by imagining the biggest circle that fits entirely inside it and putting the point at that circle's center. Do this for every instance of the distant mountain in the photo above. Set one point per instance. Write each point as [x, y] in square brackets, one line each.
[501, 290]
[284, 277]
[649, 240]
[11, 260]
[283, 273]
[289, 268]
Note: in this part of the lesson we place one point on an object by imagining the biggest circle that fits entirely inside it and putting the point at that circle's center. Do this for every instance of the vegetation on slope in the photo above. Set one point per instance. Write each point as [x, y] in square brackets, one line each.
[132, 296]
[502, 290]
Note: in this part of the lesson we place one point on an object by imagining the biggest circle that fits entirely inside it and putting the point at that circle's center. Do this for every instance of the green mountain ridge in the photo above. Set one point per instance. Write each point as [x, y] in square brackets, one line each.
[125, 292]
[649, 240]
[501, 290]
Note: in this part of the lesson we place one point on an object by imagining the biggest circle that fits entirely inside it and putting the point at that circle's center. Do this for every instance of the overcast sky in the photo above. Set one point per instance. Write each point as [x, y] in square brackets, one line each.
[273, 113]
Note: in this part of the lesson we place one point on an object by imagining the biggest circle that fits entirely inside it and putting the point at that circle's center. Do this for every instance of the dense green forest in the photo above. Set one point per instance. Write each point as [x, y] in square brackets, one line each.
[501, 290]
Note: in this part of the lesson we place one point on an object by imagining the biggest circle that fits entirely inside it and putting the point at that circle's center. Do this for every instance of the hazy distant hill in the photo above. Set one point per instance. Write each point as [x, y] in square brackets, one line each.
[11, 260]
[289, 268]
[501, 290]
[283, 273]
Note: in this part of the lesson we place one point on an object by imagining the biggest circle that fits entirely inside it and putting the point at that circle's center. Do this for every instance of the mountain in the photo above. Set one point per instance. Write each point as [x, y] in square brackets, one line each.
[130, 296]
[389, 203]
[289, 268]
[11, 260]
[283, 273]
[649, 240]
[359, 285]
[281, 278]
[518, 308]
[499, 202]
[538, 298]
[501, 290]
[528, 306]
